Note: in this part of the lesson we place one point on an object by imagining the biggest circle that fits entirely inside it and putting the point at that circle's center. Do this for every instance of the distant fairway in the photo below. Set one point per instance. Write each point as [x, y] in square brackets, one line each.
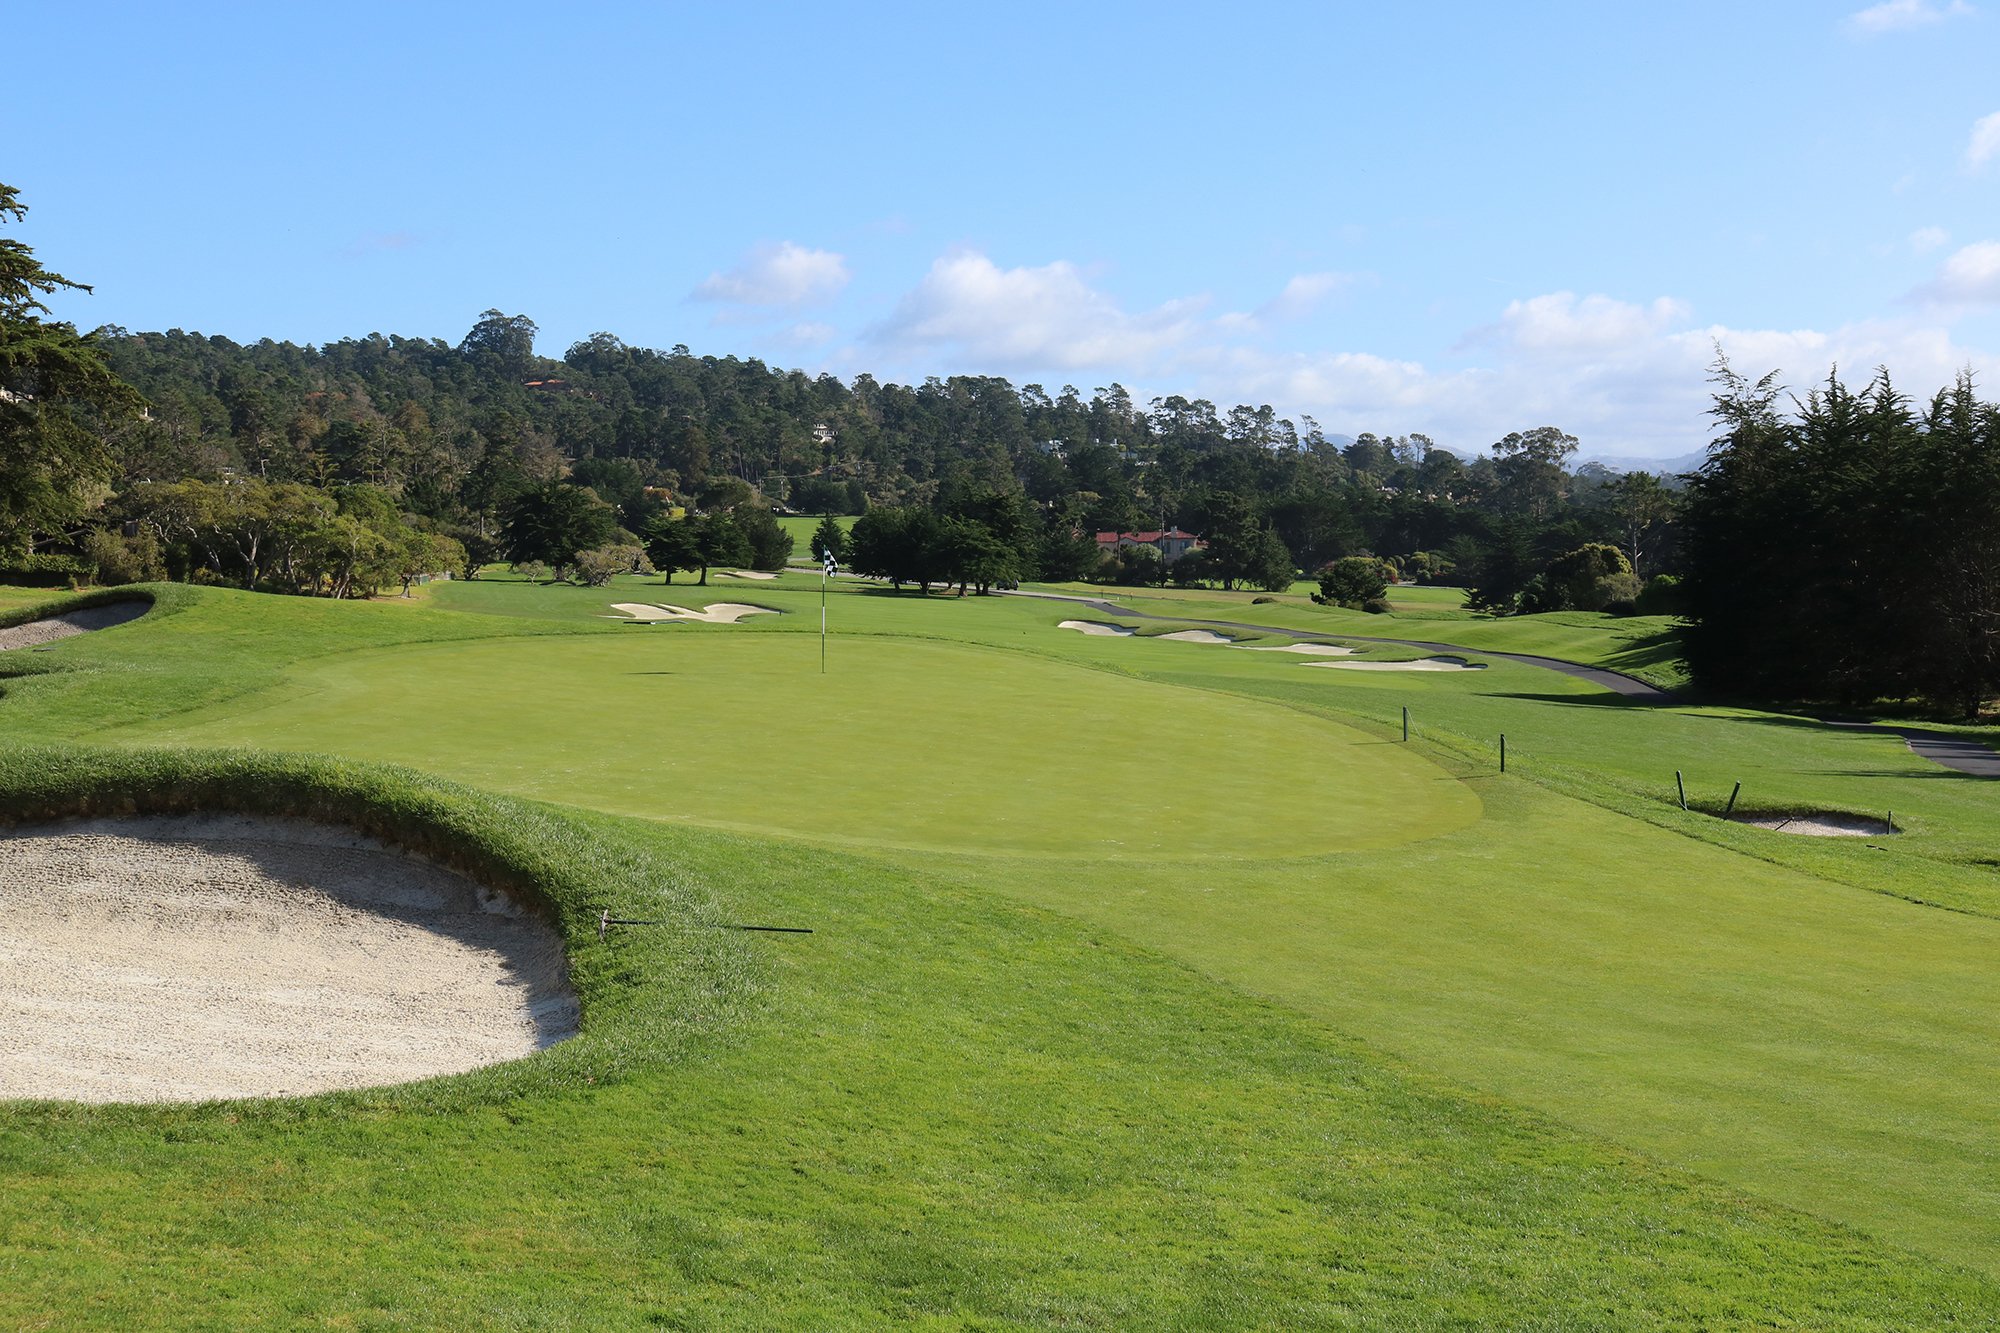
[908, 744]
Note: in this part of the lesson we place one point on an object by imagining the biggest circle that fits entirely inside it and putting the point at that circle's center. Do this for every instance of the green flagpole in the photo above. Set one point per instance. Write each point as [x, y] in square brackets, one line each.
[823, 577]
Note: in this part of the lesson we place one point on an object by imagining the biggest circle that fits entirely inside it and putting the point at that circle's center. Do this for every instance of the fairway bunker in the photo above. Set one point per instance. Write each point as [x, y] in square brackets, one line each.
[1420, 664]
[1197, 636]
[748, 574]
[1306, 649]
[1097, 628]
[1821, 825]
[201, 957]
[70, 623]
[716, 613]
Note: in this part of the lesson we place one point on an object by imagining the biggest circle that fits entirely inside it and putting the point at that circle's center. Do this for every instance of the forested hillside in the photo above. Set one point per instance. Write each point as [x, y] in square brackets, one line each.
[457, 433]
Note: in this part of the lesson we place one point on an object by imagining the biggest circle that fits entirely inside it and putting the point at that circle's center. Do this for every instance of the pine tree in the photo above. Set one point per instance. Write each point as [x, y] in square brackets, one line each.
[55, 393]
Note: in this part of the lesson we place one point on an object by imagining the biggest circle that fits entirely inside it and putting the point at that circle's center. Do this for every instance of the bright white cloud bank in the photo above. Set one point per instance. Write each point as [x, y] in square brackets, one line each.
[1629, 378]
[783, 275]
[1895, 15]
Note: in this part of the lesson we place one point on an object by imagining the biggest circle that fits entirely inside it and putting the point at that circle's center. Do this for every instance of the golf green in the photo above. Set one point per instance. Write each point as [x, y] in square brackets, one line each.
[905, 743]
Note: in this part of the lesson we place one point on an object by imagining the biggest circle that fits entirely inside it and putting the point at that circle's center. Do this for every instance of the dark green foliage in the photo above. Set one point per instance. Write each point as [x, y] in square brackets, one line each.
[829, 539]
[552, 523]
[1662, 596]
[57, 396]
[457, 433]
[769, 545]
[674, 543]
[1849, 552]
[1353, 581]
[1588, 578]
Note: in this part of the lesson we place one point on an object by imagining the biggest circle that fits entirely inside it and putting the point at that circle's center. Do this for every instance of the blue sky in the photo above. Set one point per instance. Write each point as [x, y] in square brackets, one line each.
[1460, 219]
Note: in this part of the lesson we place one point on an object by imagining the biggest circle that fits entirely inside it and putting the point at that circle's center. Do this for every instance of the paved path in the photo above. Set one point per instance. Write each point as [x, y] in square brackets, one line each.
[1949, 751]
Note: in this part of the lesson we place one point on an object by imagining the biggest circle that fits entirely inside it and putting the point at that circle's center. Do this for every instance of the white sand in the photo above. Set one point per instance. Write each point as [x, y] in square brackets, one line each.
[1819, 826]
[1421, 664]
[1097, 628]
[716, 613]
[183, 959]
[1197, 636]
[74, 622]
[1309, 649]
[749, 574]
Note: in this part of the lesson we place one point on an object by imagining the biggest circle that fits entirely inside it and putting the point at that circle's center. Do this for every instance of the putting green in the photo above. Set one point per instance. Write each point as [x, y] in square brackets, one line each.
[906, 743]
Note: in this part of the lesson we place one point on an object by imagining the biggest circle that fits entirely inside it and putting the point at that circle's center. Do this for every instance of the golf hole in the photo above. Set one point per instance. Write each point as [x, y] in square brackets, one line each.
[202, 957]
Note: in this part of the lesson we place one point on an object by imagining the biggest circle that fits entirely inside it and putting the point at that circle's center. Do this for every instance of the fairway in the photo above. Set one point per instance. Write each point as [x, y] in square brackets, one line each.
[905, 743]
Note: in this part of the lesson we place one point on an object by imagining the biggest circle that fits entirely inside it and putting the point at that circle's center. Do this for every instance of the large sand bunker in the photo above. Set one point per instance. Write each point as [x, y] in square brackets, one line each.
[1197, 636]
[72, 622]
[716, 613]
[1096, 628]
[1308, 649]
[147, 960]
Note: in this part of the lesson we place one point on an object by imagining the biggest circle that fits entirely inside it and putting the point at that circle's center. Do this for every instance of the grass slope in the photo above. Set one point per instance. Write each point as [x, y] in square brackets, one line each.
[940, 1109]
[1751, 1006]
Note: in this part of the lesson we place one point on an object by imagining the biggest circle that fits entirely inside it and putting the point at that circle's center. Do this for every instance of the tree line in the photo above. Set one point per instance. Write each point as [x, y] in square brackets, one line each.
[1847, 550]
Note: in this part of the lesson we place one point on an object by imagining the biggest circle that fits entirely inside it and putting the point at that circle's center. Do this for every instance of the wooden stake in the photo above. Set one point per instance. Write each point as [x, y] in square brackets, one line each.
[1682, 788]
[1503, 752]
[1732, 800]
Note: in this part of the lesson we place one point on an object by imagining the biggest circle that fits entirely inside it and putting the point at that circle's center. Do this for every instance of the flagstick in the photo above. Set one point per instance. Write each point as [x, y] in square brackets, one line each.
[823, 577]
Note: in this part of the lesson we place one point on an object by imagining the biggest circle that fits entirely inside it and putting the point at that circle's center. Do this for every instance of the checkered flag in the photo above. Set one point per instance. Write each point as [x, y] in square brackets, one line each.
[832, 565]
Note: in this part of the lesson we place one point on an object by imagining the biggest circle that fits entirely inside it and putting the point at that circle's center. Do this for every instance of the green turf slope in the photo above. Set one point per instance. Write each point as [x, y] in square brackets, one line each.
[1579, 949]
[941, 1110]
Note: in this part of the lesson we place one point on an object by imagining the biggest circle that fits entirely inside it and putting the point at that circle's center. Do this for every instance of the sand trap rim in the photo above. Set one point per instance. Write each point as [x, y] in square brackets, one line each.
[158, 599]
[374, 801]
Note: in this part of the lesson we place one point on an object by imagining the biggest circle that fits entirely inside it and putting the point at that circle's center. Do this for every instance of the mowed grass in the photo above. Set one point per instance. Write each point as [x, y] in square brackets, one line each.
[1658, 980]
[906, 744]
[941, 1109]
[802, 527]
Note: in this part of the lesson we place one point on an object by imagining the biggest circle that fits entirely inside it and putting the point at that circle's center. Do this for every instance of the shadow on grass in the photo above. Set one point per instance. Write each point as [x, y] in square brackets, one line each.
[1602, 700]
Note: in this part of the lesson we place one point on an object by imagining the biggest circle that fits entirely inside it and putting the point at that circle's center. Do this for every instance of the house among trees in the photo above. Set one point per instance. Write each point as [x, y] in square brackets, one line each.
[1171, 545]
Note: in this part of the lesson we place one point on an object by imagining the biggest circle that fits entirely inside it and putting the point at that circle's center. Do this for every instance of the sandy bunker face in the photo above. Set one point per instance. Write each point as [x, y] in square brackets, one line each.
[71, 623]
[147, 960]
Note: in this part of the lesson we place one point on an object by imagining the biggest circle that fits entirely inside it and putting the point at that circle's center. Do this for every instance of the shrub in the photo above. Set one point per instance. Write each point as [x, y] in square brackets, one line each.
[119, 559]
[45, 571]
[1354, 581]
[1376, 606]
[1662, 596]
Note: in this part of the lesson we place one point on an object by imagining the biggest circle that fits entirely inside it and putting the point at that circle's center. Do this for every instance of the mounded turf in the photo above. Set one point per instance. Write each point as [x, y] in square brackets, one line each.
[940, 1109]
[1781, 1017]
[908, 744]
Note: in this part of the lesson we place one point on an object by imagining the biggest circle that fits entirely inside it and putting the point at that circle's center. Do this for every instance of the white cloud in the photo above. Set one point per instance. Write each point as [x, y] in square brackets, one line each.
[785, 275]
[1560, 322]
[1926, 239]
[1629, 378]
[1640, 396]
[1897, 15]
[1970, 277]
[1029, 318]
[1302, 295]
[1985, 143]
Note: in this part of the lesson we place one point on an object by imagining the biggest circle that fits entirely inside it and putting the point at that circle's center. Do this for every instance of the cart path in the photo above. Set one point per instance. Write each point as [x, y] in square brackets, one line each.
[1964, 756]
